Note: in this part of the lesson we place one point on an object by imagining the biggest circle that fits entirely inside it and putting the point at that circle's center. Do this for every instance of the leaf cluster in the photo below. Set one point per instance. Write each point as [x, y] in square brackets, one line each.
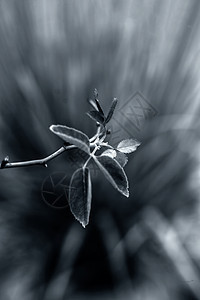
[111, 161]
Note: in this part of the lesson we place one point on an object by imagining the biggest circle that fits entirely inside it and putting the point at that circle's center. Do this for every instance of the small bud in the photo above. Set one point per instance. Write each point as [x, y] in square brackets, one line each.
[95, 93]
[108, 131]
[4, 162]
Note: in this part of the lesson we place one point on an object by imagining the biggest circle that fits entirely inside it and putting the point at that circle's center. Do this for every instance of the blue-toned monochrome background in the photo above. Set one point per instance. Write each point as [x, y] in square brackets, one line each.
[53, 53]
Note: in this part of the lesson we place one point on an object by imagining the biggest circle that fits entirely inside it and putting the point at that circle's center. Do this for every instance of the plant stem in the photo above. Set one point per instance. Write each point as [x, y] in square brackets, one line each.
[91, 155]
[6, 164]
[107, 145]
[96, 136]
[34, 162]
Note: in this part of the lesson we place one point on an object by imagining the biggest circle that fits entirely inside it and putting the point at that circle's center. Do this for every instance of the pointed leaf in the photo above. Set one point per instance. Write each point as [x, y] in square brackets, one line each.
[95, 93]
[111, 111]
[80, 195]
[97, 102]
[109, 152]
[99, 107]
[72, 136]
[128, 146]
[113, 172]
[93, 104]
[121, 158]
[96, 115]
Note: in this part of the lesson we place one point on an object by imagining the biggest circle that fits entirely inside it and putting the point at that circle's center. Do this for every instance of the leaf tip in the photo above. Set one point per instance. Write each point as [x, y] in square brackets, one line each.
[52, 128]
[127, 194]
[96, 93]
[84, 224]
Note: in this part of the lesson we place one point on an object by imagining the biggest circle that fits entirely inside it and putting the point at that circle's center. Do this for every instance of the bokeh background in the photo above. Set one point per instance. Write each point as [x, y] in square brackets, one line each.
[53, 54]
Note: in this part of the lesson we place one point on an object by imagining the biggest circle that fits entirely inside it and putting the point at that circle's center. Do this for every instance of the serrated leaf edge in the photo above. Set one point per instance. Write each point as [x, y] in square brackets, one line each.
[126, 158]
[80, 141]
[90, 190]
[120, 148]
[105, 153]
[111, 179]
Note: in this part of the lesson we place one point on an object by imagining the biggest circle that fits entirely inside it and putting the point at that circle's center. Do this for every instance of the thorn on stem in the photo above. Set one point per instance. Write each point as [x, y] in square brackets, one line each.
[108, 131]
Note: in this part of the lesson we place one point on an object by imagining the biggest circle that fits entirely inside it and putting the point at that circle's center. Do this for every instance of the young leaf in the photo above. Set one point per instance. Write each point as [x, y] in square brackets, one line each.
[96, 93]
[97, 102]
[109, 152]
[111, 111]
[93, 104]
[121, 158]
[96, 115]
[80, 195]
[113, 172]
[128, 146]
[72, 136]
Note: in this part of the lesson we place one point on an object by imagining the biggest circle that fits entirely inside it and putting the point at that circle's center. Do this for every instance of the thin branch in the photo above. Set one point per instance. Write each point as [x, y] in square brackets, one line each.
[95, 138]
[107, 145]
[5, 164]
[34, 162]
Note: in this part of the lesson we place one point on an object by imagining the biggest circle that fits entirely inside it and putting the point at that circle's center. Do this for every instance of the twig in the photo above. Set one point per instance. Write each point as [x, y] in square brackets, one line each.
[42, 161]
[5, 164]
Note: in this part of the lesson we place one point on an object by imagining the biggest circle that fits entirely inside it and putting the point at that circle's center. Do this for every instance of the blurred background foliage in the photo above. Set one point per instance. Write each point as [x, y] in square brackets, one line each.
[53, 54]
